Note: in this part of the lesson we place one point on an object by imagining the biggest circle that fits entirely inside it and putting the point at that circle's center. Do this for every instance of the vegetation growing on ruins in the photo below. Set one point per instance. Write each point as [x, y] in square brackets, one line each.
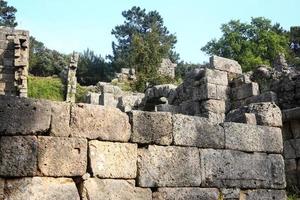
[251, 44]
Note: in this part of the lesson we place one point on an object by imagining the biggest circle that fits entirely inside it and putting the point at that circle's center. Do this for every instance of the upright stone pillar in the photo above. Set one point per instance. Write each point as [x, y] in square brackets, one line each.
[14, 55]
[72, 80]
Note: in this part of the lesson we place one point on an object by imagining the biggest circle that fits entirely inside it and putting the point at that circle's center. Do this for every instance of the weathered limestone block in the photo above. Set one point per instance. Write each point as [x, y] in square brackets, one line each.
[37, 188]
[291, 114]
[103, 189]
[210, 91]
[193, 193]
[99, 122]
[252, 138]
[108, 99]
[227, 168]
[197, 131]
[21, 116]
[130, 101]
[264, 97]
[214, 77]
[113, 160]
[215, 118]
[295, 128]
[225, 64]
[216, 106]
[151, 127]
[59, 156]
[267, 114]
[240, 80]
[263, 194]
[60, 119]
[168, 167]
[189, 107]
[230, 193]
[18, 156]
[245, 91]
[93, 98]
[290, 149]
[167, 108]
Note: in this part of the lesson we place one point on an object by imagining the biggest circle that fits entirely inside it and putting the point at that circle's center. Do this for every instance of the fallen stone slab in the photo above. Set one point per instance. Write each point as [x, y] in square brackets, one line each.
[168, 167]
[18, 156]
[37, 188]
[225, 64]
[186, 193]
[235, 169]
[60, 156]
[99, 122]
[98, 189]
[252, 138]
[113, 160]
[197, 131]
[22, 116]
[263, 194]
[151, 127]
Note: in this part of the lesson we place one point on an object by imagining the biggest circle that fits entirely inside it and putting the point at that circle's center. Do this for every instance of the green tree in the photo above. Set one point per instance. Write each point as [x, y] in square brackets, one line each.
[45, 62]
[251, 44]
[7, 15]
[141, 43]
[92, 68]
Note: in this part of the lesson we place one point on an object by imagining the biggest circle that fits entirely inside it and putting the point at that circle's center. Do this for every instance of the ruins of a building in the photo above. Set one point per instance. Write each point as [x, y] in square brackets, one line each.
[71, 78]
[14, 50]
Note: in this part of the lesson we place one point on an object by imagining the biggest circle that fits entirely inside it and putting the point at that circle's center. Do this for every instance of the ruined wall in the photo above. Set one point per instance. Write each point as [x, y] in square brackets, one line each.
[55, 150]
[14, 55]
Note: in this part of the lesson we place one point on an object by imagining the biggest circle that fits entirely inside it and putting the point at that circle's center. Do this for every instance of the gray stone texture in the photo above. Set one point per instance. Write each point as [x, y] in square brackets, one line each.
[295, 128]
[58, 156]
[230, 193]
[151, 127]
[21, 116]
[252, 138]
[41, 188]
[104, 189]
[210, 91]
[168, 167]
[227, 168]
[245, 91]
[189, 193]
[197, 131]
[60, 119]
[99, 122]
[263, 194]
[292, 149]
[113, 160]
[214, 77]
[225, 64]
[18, 156]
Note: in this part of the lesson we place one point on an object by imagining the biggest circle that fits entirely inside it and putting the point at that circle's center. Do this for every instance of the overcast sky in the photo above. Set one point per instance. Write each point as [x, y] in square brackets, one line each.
[67, 25]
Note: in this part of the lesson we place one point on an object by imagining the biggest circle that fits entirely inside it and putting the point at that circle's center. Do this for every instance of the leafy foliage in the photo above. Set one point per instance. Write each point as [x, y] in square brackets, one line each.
[92, 69]
[251, 44]
[43, 61]
[7, 15]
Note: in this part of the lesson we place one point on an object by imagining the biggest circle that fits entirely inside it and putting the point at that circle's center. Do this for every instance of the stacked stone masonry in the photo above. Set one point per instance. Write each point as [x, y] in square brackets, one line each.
[64, 151]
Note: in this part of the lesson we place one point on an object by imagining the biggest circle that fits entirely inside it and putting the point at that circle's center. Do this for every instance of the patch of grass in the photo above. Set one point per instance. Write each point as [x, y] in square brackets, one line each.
[46, 88]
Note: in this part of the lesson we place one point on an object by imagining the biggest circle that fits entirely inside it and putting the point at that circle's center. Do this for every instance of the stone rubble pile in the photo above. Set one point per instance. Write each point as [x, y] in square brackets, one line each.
[55, 150]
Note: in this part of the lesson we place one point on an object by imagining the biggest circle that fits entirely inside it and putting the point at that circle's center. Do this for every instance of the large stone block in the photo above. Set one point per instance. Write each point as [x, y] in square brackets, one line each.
[21, 116]
[38, 188]
[252, 138]
[197, 131]
[103, 189]
[292, 149]
[210, 91]
[186, 193]
[99, 122]
[58, 156]
[214, 76]
[168, 167]
[60, 119]
[216, 106]
[245, 91]
[225, 64]
[151, 127]
[213, 117]
[295, 128]
[18, 156]
[227, 168]
[113, 160]
[263, 194]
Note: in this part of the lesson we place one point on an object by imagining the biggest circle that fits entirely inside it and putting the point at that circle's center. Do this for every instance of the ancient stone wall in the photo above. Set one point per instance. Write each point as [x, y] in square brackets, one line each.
[56, 150]
[14, 55]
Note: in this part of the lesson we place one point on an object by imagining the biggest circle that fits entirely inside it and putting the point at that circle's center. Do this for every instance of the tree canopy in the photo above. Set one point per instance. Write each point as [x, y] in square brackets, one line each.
[251, 44]
[7, 15]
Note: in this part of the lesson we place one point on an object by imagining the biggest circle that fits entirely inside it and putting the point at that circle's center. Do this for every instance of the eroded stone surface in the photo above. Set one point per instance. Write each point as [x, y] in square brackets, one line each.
[151, 127]
[102, 189]
[227, 168]
[225, 64]
[99, 122]
[263, 194]
[113, 160]
[168, 166]
[62, 156]
[18, 156]
[197, 131]
[186, 193]
[252, 138]
[38, 188]
[60, 119]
